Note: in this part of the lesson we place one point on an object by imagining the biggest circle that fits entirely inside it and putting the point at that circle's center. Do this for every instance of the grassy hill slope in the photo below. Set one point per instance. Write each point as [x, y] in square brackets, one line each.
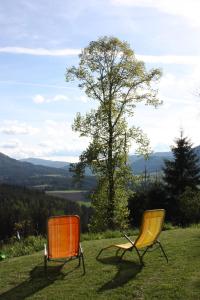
[23, 277]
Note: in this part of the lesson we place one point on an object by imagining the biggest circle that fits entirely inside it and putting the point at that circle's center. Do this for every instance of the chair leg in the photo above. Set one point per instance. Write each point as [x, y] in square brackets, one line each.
[82, 257]
[116, 254]
[140, 256]
[100, 253]
[79, 260]
[45, 264]
[161, 247]
[122, 254]
[145, 251]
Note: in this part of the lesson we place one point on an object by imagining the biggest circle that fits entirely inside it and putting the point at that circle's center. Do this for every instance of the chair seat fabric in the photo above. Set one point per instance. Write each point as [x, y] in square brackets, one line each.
[63, 236]
[124, 246]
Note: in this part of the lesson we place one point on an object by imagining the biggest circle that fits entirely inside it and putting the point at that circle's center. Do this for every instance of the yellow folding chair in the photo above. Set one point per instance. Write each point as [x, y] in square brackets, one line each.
[63, 236]
[151, 227]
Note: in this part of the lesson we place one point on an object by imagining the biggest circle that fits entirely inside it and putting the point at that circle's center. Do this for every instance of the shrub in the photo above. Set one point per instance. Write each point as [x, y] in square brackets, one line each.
[189, 206]
[151, 196]
[23, 247]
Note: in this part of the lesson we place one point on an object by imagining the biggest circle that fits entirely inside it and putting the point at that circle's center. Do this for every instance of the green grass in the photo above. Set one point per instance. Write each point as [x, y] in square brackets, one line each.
[65, 191]
[73, 195]
[107, 278]
[23, 247]
[86, 203]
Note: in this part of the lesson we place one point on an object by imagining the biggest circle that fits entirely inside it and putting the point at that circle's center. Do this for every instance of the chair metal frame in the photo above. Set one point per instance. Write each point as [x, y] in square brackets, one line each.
[66, 259]
[133, 244]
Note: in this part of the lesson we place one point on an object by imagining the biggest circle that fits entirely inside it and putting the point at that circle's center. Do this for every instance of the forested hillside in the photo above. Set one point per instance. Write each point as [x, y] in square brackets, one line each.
[26, 211]
[16, 172]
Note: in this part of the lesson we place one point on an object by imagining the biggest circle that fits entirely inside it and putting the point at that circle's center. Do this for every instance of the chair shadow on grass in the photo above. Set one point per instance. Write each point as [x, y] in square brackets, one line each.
[126, 270]
[37, 281]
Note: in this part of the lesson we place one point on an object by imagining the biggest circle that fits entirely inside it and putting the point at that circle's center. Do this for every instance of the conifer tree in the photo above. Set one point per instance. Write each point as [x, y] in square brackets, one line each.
[184, 170]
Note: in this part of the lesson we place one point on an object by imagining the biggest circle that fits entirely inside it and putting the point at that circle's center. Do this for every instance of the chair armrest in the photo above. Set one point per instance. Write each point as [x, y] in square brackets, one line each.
[80, 249]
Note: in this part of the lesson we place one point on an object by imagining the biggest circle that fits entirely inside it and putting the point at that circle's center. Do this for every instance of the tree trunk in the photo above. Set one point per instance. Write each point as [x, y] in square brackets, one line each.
[111, 192]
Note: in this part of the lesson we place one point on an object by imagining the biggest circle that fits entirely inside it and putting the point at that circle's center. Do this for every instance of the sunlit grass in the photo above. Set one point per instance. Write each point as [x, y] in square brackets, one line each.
[108, 278]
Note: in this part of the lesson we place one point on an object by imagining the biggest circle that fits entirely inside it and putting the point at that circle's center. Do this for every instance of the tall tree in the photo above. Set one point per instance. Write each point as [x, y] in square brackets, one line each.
[180, 174]
[109, 73]
[184, 170]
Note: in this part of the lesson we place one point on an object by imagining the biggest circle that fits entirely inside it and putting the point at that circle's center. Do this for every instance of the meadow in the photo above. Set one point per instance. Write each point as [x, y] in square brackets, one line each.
[79, 196]
[108, 278]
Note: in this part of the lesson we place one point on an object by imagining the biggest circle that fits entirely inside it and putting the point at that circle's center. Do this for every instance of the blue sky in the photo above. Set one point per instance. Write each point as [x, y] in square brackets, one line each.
[40, 39]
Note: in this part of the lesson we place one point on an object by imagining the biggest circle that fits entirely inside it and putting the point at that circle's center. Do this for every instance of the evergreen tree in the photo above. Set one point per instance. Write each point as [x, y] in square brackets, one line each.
[184, 170]
[111, 75]
[181, 173]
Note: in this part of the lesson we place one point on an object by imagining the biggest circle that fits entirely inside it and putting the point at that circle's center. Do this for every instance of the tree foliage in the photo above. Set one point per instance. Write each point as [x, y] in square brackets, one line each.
[110, 74]
[184, 170]
[179, 174]
[149, 196]
[26, 211]
[189, 204]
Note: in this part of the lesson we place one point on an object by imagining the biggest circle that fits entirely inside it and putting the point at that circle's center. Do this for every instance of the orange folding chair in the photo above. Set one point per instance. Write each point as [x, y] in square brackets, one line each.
[63, 236]
[151, 227]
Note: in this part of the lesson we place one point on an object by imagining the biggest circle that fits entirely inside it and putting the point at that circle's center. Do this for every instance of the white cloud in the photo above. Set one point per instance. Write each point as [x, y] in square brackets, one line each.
[11, 127]
[181, 108]
[40, 51]
[55, 139]
[64, 158]
[59, 136]
[170, 59]
[59, 98]
[39, 99]
[83, 99]
[183, 8]
[13, 82]
[11, 144]
[163, 59]
[181, 87]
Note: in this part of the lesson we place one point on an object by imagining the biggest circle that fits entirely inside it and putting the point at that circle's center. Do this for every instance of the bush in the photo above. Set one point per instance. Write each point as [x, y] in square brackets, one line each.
[152, 196]
[189, 206]
[108, 234]
[23, 247]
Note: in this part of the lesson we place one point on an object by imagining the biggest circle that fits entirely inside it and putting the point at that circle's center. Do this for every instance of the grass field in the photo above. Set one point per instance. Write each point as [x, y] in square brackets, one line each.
[107, 278]
[73, 195]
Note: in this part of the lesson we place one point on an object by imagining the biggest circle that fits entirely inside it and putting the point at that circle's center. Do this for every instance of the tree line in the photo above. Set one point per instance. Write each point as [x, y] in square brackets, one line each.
[177, 190]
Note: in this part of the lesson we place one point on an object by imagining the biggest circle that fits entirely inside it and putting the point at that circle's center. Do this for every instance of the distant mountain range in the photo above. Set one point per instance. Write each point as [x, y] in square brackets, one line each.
[47, 163]
[24, 173]
[51, 175]
[13, 171]
[155, 163]
[12, 167]
[137, 163]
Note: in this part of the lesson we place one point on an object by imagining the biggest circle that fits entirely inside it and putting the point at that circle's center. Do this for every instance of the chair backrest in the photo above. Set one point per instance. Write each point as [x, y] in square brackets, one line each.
[152, 223]
[63, 236]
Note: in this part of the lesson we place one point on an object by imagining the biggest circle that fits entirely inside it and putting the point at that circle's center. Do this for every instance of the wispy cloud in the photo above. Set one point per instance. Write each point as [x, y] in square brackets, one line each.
[183, 8]
[40, 51]
[12, 82]
[15, 127]
[39, 99]
[12, 144]
[170, 59]
[54, 139]
[164, 59]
